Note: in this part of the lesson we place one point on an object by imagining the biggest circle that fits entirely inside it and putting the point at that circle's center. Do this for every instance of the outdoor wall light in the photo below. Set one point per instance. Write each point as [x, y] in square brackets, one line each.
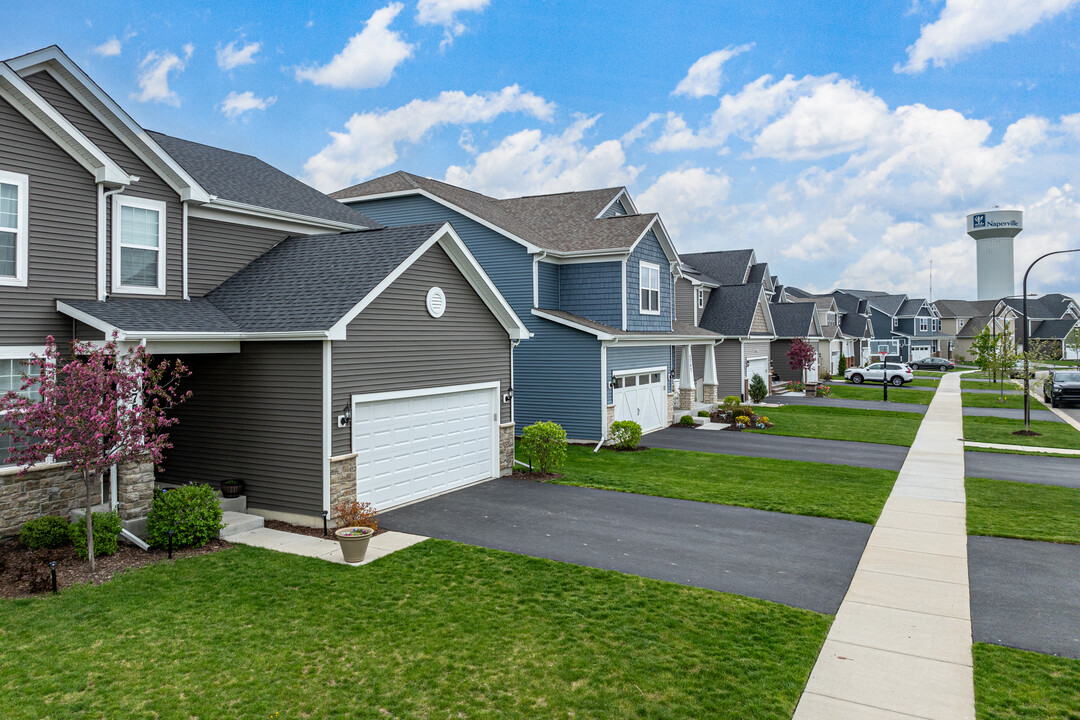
[508, 395]
[52, 569]
[345, 418]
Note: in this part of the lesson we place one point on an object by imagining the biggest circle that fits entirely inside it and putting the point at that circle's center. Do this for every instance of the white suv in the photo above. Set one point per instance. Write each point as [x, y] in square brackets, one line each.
[898, 374]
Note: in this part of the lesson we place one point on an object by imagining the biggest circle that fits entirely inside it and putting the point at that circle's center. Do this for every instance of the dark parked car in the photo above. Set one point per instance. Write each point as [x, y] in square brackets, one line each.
[932, 363]
[1062, 386]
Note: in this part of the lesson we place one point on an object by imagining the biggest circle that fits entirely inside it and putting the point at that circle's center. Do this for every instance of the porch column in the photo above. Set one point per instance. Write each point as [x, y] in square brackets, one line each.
[709, 383]
[686, 379]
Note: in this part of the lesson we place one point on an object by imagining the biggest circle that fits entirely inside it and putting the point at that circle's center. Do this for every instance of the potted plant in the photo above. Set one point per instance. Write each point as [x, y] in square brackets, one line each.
[232, 487]
[356, 527]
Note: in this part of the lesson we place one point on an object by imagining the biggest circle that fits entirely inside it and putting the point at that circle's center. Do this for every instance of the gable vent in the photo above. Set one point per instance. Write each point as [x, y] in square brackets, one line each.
[436, 302]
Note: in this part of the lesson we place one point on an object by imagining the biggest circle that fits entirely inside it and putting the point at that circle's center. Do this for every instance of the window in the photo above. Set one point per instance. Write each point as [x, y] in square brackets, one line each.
[895, 322]
[14, 219]
[11, 371]
[138, 253]
[830, 317]
[960, 323]
[701, 298]
[924, 324]
[650, 288]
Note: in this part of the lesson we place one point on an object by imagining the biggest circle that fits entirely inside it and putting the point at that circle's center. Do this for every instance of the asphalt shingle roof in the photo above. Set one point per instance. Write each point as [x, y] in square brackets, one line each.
[1048, 307]
[792, 320]
[757, 273]
[888, 304]
[198, 315]
[728, 267]
[730, 309]
[246, 179]
[1052, 329]
[964, 308]
[910, 307]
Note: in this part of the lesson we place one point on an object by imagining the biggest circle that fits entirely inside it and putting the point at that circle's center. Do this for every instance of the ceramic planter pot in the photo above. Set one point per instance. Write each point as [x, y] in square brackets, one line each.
[354, 542]
[232, 488]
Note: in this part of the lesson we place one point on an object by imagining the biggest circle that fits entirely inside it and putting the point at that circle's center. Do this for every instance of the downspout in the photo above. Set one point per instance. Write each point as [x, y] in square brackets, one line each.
[103, 196]
[513, 346]
[184, 247]
[603, 405]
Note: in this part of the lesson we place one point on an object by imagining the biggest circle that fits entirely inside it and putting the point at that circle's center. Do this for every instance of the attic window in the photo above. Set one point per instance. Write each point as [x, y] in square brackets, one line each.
[701, 298]
[650, 288]
[830, 317]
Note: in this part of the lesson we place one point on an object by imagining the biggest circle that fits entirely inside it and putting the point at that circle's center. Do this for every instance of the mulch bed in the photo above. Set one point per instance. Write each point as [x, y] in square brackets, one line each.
[22, 569]
[537, 475]
[304, 530]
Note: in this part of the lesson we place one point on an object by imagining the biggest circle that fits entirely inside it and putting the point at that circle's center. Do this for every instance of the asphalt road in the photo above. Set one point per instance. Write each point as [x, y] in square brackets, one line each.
[1013, 413]
[1072, 411]
[800, 561]
[833, 452]
[1025, 594]
[1023, 468]
[846, 403]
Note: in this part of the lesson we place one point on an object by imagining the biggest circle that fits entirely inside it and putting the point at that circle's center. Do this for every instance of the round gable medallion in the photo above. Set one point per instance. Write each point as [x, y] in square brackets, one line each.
[436, 302]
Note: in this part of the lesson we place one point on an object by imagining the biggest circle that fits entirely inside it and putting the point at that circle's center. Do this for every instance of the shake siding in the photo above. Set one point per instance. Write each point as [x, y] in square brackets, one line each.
[217, 250]
[684, 301]
[593, 291]
[150, 185]
[254, 415]
[759, 325]
[62, 234]
[648, 250]
[729, 369]
[548, 278]
[638, 358]
[394, 344]
[617, 208]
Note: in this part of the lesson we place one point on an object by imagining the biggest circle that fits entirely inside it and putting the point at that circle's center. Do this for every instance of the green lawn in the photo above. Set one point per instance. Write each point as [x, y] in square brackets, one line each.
[925, 382]
[1019, 685]
[988, 385]
[833, 423]
[929, 373]
[864, 392]
[1012, 400]
[788, 486]
[1000, 430]
[439, 630]
[1019, 510]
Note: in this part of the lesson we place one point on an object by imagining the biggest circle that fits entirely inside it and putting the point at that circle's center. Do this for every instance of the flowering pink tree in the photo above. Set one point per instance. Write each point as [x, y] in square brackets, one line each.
[801, 356]
[99, 409]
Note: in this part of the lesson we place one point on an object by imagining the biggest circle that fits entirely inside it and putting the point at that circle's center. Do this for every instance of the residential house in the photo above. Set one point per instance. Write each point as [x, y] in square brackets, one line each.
[589, 275]
[796, 321]
[907, 328]
[1050, 319]
[329, 353]
[964, 319]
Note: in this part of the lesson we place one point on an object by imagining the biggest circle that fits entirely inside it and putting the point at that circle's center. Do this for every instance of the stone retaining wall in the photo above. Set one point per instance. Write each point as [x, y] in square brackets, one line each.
[49, 489]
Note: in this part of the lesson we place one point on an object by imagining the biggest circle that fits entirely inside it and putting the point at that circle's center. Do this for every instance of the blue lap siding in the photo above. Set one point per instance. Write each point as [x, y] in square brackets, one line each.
[547, 275]
[648, 250]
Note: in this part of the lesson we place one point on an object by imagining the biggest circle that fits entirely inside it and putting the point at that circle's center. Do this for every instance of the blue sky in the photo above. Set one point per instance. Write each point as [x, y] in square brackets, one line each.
[844, 141]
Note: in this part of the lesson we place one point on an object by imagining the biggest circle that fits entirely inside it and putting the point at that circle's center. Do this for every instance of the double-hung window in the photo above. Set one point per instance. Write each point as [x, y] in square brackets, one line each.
[924, 324]
[138, 246]
[700, 298]
[14, 219]
[650, 288]
[830, 317]
[11, 372]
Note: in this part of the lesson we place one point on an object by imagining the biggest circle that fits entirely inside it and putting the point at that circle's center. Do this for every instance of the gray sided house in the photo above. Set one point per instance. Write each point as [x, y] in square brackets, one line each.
[591, 278]
[795, 321]
[322, 344]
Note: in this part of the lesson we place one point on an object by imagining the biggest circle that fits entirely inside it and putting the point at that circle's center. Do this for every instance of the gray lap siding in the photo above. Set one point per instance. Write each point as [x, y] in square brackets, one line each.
[729, 368]
[62, 234]
[217, 250]
[394, 344]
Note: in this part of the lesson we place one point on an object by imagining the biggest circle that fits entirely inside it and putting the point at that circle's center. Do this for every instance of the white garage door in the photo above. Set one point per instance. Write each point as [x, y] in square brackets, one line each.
[918, 352]
[640, 395]
[758, 366]
[428, 442]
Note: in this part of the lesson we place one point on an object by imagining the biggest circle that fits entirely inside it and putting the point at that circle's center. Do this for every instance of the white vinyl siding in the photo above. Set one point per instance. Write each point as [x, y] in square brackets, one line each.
[650, 288]
[139, 246]
[14, 218]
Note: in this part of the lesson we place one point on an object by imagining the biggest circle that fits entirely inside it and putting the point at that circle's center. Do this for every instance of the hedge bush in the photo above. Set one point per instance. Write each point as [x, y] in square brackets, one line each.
[544, 445]
[50, 531]
[193, 511]
[626, 434]
[107, 527]
[732, 401]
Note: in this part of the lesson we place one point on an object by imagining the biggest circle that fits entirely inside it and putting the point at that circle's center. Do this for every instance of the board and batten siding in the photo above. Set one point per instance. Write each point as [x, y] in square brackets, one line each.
[547, 277]
[729, 369]
[593, 291]
[62, 234]
[149, 186]
[648, 250]
[254, 415]
[638, 358]
[218, 250]
[395, 344]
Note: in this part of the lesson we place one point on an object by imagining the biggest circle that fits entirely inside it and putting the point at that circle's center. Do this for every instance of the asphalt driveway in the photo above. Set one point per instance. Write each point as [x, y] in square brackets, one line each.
[847, 403]
[1023, 468]
[1025, 594]
[833, 452]
[800, 561]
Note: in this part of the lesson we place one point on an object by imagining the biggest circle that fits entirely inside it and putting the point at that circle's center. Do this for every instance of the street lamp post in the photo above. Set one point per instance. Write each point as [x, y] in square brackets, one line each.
[1027, 376]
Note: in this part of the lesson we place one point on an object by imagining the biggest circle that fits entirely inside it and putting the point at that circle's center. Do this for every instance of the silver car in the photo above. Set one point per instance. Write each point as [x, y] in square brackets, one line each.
[898, 374]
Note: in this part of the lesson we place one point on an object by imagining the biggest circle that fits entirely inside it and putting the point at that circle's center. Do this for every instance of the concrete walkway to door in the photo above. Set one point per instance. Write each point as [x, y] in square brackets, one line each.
[900, 646]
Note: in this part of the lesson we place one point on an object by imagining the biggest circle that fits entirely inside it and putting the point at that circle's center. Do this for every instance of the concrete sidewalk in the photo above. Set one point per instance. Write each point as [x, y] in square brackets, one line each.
[323, 549]
[901, 643]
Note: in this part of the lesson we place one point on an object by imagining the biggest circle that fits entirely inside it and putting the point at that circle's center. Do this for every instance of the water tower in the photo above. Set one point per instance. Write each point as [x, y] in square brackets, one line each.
[993, 232]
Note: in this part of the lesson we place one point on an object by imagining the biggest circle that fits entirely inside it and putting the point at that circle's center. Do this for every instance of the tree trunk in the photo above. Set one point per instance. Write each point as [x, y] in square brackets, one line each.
[89, 523]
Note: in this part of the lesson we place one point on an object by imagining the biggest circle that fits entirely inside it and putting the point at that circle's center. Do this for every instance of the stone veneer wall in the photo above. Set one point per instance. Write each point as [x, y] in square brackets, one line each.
[506, 449]
[670, 408]
[134, 489]
[610, 418]
[708, 395]
[49, 489]
[686, 398]
[343, 479]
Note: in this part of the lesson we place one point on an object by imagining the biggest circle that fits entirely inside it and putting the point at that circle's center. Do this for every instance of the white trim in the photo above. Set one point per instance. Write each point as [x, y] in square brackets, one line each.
[585, 256]
[662, 369]
[642, 267]
[663, 237]
[622, 192]
[328, 420]
[192, 347]
[161, 208]
[184, 249]
[20, 352]
[221, 213]
[604, 380]
[260, 211]
[536, 280]
[625, 301]
[639, 339]
[21, 229]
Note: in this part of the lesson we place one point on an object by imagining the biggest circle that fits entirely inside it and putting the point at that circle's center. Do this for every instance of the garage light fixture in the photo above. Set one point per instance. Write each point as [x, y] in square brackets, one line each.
[508, 395]
[345, 418]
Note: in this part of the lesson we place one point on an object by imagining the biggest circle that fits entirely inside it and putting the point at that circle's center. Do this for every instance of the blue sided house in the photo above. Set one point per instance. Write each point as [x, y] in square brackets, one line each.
[592, 279]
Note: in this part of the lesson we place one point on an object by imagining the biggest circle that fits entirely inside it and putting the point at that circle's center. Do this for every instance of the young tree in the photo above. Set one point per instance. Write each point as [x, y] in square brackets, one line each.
[984, 349]
[1072, 343]
[801, 356]
[98, 409]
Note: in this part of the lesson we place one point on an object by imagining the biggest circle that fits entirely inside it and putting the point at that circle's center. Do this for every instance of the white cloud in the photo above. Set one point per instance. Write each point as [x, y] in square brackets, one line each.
[704, 76]
[371, 139]
[369, 58]
[688, 195]
[530, 163]
[109, 48]
[966, 25]
[230, 56]
[236, 104]
[444, 13]
[154, 76]
[189, 50]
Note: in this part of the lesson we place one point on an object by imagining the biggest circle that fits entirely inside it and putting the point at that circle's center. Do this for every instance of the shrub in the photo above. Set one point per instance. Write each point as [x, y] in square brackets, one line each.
[961, 359]
[686, 420]
[795, 386]
[732, 401]
[350, 513]
[841, 368]
[107, 526]
[758, 388]
[50, 531]
[742, 420]
[544, 443]
[824, 391]
[703, 413]
[625, 434]
[193, 511]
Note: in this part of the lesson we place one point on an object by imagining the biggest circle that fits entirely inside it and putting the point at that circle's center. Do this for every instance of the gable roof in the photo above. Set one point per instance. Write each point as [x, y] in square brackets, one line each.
[248, 180]
[728, 267]
[1047, 307]
[730, 309]
[792, 320]
[910, 308]
[888, 304]
[1052, 329]
[854, 325]
[964, 308]
[680, 330]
